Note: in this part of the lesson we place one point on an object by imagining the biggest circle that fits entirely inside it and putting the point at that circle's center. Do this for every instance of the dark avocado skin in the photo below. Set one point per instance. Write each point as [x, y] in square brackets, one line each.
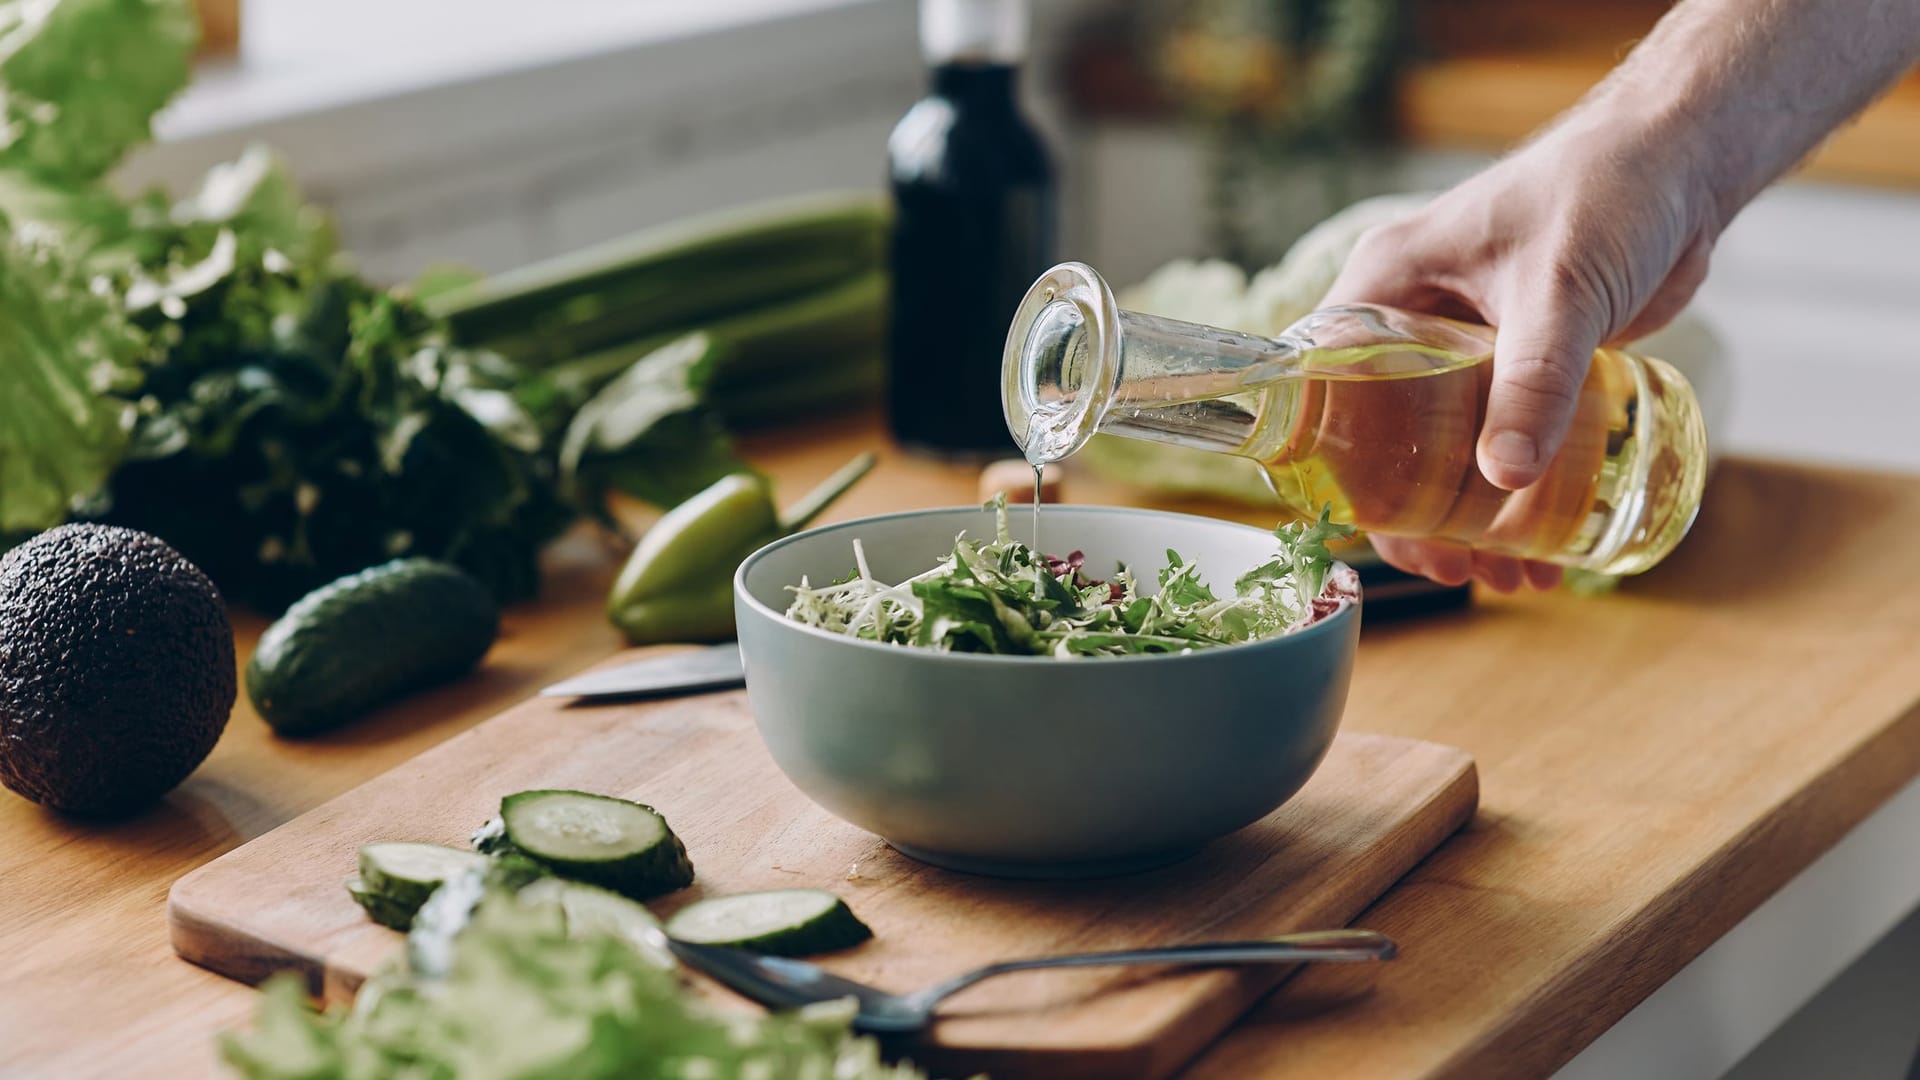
[116, 669]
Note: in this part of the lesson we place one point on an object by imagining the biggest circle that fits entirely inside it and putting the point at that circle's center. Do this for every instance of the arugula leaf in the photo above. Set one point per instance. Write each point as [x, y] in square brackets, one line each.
[1180, 583]
[80, 80]
[1305, 558]
[957, 619]
[1002, 597]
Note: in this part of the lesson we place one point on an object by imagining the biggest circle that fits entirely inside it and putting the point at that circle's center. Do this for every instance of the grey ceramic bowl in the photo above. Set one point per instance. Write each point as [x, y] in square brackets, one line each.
[1033, 766]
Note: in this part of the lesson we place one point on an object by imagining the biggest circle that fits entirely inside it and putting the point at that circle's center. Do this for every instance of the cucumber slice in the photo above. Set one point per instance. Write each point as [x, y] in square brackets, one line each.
[405, 874]
[378, 907]
[603, 841]
[590, 910]
[783, 922]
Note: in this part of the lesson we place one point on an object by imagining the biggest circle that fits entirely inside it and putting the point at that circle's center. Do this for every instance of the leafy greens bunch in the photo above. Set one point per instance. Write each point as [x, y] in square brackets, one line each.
[209, 370]
[520, 994]
[1003, 597]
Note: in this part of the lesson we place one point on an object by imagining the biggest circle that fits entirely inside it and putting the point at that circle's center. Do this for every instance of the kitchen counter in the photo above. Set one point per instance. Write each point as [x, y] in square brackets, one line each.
[1655, 764]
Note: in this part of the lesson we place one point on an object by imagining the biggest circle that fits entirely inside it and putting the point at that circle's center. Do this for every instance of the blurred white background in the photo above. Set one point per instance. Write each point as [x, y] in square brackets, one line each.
[478, 131]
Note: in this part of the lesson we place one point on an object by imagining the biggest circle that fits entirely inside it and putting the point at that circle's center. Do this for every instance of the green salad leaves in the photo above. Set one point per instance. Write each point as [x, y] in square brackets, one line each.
[1003, 597]
[209, 369]
[79, 83]
[83, 78]
[62, 351]
[519, 994]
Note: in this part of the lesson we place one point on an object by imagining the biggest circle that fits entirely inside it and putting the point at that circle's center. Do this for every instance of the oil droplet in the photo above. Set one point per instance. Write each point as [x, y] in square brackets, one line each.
[1036, 508]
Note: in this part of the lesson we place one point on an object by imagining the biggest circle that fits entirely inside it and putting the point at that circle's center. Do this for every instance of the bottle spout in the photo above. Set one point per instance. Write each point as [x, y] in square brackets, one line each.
[1061, 364]
[1075, 364]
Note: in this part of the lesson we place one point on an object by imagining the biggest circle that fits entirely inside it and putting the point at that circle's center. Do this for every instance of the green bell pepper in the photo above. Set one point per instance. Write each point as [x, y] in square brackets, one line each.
[678, 583]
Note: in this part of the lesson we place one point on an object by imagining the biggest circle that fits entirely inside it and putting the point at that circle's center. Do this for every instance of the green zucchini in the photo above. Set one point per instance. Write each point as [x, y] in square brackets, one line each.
[667, 280]
[783, 922]
[810, 333]
[598, 839]
[792, 342]
[367, 639]
[850, 382]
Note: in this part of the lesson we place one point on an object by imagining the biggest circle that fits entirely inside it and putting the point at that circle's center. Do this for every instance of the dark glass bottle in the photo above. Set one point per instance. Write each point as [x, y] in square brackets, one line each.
[975, 217]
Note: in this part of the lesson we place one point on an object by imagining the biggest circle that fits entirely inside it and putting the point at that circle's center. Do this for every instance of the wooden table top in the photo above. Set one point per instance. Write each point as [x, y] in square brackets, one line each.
[1654, 764]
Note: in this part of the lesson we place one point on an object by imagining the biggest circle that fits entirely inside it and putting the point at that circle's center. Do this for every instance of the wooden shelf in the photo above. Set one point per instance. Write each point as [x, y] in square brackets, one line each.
[219, 27]
[1490, 102]
[1489, 72]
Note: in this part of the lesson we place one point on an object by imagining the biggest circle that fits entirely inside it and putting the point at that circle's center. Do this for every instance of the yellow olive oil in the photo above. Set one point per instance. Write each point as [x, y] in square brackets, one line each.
[1371, 411]
[1391, 447]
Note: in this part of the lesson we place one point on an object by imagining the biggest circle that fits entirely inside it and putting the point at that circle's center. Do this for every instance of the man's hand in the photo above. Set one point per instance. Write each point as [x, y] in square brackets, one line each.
[1599, 231]
[1562, 249]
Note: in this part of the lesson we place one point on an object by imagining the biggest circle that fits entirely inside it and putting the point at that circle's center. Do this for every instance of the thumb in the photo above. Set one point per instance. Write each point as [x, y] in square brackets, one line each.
[1540, 359]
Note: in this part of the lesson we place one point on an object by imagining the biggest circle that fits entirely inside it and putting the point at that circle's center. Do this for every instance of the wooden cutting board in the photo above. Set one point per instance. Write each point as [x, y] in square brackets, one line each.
[1377, 806]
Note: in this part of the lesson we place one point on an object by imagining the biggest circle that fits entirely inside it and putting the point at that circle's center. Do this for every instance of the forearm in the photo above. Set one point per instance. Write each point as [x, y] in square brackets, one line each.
[1734, 93]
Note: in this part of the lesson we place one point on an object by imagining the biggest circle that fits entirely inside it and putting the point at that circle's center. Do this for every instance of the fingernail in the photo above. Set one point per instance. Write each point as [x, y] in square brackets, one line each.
[1513, 448]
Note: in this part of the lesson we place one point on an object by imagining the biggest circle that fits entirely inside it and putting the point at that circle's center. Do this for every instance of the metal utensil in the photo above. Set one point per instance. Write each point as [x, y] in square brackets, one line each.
[718, 667]
[779, 983]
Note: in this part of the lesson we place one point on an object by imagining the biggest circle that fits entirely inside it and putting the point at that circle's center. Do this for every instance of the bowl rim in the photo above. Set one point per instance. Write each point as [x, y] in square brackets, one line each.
[1349, 609]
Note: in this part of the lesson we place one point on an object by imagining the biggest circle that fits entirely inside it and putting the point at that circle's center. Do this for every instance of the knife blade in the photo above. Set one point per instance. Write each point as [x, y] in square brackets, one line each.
[717, 667]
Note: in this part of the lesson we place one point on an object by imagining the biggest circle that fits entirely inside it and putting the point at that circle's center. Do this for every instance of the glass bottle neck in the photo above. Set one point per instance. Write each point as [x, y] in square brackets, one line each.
[973, 31]
[1076, 364]
[1194, 386]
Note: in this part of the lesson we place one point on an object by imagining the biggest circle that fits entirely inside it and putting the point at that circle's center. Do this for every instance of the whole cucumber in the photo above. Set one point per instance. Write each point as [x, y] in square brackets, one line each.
[367, 639]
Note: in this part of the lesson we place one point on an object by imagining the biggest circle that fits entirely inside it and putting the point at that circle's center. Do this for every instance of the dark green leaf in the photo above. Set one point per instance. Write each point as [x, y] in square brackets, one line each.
[961, 618]
[646, 434]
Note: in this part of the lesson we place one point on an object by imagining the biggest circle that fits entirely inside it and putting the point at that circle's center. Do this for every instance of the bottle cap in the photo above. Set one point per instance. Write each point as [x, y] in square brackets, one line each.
[980, 31]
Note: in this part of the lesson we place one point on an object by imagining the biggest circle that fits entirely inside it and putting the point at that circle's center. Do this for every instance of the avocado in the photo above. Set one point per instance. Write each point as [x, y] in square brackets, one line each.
[116, 668]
